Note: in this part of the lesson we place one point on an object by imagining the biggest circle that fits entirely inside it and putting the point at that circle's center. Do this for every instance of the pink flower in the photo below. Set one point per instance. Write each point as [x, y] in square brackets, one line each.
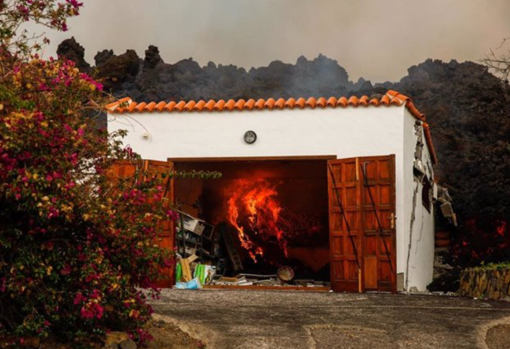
[79, 298]
[174, 216]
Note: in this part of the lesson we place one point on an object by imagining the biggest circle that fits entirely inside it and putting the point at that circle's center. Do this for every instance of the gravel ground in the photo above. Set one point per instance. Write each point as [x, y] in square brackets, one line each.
[279, 319]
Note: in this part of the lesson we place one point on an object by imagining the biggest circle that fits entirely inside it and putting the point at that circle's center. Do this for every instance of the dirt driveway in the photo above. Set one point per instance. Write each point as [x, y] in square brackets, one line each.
[279, 319]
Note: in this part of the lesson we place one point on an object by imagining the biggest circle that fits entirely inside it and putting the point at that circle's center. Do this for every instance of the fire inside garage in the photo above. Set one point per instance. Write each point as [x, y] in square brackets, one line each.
[256, 204]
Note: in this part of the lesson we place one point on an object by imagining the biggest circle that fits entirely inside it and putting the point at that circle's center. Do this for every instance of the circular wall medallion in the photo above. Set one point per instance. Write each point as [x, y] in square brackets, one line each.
[250, 137]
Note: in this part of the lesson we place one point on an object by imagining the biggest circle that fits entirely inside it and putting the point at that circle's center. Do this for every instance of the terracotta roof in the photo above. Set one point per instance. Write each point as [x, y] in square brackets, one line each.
[391, 98]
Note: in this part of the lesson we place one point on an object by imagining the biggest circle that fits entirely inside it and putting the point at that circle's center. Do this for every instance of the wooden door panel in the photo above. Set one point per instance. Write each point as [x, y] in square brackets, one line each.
[344, 212]
[385, 170]
[337, 245]
[370, 272]
[384, 195]
[370, 245]
[378, 187]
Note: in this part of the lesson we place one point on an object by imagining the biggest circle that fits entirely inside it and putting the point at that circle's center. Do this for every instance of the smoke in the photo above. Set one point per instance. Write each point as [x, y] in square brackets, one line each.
[370, 38]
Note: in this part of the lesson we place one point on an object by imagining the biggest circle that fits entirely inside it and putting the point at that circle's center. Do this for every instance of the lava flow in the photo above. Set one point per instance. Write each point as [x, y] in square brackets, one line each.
[254, 210]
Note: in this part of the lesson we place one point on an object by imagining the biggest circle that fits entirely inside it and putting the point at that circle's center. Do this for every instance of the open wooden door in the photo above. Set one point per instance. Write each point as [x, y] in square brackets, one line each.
[344, 224]
[166, 238]
[361, 223]
[378, 217]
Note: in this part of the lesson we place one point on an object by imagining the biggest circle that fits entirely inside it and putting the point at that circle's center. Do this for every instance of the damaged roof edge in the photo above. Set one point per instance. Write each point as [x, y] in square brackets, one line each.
[430, 144]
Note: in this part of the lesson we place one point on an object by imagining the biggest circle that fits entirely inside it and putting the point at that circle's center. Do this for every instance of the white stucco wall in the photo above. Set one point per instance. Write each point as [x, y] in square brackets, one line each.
[345, 132]
[418, 246]
[349, 132]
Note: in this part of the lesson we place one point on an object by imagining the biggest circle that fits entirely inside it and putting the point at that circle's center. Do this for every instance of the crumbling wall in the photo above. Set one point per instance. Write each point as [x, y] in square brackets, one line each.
[417, 251]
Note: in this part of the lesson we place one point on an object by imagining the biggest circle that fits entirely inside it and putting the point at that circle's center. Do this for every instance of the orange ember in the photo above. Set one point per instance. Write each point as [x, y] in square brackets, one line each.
[254, 210]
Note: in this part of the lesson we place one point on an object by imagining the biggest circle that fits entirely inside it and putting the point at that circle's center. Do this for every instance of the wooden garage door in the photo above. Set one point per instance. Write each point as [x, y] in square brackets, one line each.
[166, 237]
[362, 238]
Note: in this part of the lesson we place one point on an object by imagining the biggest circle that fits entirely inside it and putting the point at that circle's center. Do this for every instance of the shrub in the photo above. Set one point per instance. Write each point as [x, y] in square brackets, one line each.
[74, 246]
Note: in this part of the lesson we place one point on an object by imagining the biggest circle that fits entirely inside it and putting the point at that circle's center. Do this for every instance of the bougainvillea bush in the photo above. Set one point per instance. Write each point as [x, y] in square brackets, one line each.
[74, 245]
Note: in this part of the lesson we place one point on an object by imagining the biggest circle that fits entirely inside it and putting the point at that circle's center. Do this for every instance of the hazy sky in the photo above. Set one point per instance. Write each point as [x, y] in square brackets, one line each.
[376, 39]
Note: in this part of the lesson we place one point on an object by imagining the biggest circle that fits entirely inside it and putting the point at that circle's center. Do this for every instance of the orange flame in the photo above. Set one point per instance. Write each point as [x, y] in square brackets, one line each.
[253, 207]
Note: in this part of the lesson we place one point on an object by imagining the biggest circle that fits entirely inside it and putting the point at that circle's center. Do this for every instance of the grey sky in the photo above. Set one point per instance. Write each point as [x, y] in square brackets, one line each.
[376, 39]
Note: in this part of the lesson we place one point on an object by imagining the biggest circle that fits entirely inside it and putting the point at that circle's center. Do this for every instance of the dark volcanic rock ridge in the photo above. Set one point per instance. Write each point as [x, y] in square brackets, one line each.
[467, 107]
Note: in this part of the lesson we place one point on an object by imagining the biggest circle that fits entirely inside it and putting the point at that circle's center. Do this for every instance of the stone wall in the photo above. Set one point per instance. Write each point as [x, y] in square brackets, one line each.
[486, 283]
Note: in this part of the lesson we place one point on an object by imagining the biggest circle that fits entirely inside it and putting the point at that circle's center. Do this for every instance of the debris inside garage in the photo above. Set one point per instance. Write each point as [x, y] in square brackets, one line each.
[207, 253]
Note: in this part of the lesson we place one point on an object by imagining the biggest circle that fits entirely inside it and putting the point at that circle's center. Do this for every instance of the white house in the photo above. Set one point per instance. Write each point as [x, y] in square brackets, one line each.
[366, 164]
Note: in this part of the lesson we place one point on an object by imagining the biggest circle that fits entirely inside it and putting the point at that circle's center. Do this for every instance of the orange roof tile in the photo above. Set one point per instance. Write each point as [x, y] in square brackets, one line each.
[170, 106]
[199, 106]
[249, 104]
[240, 104]
[180, 106]
[210, 104]
[300, 103]
[189, 106]
[280, 103]
[230, 104]
[342, 101]
[126, 105]
[321, 102]
[160, 106]
[291, 102]
[269, 104]
[311, 102]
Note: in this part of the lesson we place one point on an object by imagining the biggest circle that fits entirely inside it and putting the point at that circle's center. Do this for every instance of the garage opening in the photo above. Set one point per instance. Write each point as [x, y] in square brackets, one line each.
[272, 213]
